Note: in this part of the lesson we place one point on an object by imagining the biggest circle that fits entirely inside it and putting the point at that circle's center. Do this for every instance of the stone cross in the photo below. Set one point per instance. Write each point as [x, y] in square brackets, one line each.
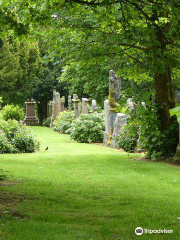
[94, 106]
[30, 117]
[76, 105]
[85, 105]
[62, 104]
[69, 103]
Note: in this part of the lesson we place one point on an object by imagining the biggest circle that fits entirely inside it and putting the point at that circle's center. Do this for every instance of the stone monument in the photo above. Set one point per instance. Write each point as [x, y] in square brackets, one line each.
[94, 106]
[85, 105]
[55, 106]
[76, 105]
[69, 103]
[30, 117]
[62, 104]
[110, 113]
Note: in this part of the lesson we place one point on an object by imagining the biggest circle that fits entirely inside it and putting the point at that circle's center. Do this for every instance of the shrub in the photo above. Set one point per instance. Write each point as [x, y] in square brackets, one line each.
[15, 137]
[63, 122]
[12, 112]
[127, 137]
[47, 122]
[88, 128]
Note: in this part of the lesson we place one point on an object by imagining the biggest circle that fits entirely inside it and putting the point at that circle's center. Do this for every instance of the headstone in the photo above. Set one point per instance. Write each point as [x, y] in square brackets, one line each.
[107, 123]
[69, 103]
[114, 95]
[62, 104]
[55, 106]
[130, 104]
[50, 109]
[120, 121]
[85, 105]
[30, 117]
[94, 106]
[76, 105]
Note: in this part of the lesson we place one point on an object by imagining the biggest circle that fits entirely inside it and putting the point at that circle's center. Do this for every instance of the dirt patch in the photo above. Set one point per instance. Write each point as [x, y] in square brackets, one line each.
[7, 183]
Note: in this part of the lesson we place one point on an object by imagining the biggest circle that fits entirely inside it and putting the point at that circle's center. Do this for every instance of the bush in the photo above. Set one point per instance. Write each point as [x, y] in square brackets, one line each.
[63, 122]
[127, 137]
[47, 122]
[15, 137]
[88, 128]
[12, 112]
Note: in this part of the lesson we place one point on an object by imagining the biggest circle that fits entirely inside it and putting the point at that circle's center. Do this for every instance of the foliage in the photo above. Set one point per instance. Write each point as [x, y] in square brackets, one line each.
[176, 111]
[63, 122]
[47, 122]
[88, 128]
[155, 140]
[12, 112]
[1, 101]
[15, 137]
[127, 137]
[20, 69]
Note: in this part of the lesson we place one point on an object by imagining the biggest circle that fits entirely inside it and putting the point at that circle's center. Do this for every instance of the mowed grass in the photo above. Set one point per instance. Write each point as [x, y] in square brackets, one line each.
[85, 191]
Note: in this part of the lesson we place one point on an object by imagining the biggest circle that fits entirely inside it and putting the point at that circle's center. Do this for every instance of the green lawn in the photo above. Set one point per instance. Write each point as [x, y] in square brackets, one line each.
[84, 191]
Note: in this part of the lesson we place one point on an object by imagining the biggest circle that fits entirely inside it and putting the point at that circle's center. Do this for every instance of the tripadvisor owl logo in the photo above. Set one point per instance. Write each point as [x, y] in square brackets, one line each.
[139, 231]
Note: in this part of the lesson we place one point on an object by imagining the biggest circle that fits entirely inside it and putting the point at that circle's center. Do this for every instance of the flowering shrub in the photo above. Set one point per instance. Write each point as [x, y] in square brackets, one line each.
[15, 137]
[88, 128]
[12, 112]
[47, 122]
[63, 122]
[127, 137]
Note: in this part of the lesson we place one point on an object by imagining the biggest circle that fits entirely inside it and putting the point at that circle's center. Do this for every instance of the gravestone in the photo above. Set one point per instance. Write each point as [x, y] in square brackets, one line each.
[120, 121]
[62, 104]
[110, 113]
[94, 106]
[76, 105]
[55, 106]
[69, 103]
[85, 105]
[106, 140]
[50, 109]
[114, 96]
[30, 117]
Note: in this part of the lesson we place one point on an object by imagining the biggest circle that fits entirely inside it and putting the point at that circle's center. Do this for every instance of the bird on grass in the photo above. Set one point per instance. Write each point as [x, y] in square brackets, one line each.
[46, 148]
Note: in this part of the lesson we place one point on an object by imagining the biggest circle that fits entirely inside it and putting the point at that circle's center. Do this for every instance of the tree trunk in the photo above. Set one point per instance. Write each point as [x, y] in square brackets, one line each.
[164, 96]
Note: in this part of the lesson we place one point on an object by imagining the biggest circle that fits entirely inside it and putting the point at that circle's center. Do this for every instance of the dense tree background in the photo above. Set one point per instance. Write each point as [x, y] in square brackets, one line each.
[86, 38]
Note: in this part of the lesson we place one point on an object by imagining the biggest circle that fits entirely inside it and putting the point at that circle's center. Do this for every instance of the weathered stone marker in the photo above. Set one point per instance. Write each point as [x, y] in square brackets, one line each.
[114, 96]
[85, 105]
[94, 106]
[76, 105]
[120, 121]
[50, 109]
[62, 104]
[30, 117]
[107, 123]
[110, 105]
[69, 103]
[56, 106]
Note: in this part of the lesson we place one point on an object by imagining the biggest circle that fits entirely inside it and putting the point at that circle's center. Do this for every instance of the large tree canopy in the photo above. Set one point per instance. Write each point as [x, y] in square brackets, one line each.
[138, 39]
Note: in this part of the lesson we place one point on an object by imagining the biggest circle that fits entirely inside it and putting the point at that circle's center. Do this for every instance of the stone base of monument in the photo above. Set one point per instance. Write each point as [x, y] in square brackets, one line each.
[31, 121]
[106, 139]
[176, 158]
